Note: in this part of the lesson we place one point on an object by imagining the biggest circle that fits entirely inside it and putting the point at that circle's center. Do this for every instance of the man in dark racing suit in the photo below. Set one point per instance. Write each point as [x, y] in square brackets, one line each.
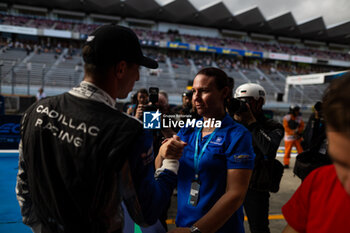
[267, 135]
[80, 157]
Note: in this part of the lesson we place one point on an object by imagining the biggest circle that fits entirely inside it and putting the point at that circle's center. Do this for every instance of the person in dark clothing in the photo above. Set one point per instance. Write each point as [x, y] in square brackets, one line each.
[315, 145]
[267, 135]
[80, 157]
[315, 130]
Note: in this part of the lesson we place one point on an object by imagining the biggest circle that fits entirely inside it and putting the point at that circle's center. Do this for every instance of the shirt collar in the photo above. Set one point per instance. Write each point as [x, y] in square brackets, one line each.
[88, 90]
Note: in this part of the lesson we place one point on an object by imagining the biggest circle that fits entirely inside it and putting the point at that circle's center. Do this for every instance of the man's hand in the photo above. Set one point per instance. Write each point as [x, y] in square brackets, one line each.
[245, 118]
[172, 148]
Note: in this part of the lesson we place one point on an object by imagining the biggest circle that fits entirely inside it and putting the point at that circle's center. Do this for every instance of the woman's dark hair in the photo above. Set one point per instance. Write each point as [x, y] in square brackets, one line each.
[220, 77]
[335, 105]
[142, 91]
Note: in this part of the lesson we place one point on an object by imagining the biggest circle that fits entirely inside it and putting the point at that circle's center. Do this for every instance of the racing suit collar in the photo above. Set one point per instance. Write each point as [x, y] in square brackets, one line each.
[89, 90]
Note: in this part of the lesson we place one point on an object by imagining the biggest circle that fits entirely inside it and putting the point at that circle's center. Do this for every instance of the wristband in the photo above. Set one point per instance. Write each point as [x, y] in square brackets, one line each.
[195, 229]
[169, 164]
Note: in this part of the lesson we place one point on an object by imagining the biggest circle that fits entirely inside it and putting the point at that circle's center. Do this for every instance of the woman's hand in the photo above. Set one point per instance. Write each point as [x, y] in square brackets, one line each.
[172, 148]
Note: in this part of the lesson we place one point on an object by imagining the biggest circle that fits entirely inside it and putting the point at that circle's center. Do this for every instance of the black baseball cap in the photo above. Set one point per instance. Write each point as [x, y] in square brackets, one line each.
[112, 43]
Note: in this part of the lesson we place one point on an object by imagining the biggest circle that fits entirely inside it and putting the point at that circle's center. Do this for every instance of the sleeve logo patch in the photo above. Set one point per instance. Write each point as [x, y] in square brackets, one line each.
[242, 157]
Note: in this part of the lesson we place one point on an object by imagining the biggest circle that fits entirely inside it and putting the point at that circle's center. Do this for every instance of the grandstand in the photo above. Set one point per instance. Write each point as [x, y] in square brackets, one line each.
[42, 45]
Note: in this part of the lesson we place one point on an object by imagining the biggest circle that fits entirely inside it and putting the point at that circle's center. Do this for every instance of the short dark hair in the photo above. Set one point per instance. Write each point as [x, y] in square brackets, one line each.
[220, 77]
[98, 70]
[336, 104]
[143, 91]
[93, 69]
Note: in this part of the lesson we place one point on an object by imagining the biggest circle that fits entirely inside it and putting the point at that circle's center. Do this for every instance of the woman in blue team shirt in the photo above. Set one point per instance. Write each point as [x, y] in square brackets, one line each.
[216, 163]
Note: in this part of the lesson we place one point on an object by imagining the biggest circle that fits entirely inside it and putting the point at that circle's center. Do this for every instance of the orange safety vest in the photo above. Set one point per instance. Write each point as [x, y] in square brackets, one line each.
[292, 134]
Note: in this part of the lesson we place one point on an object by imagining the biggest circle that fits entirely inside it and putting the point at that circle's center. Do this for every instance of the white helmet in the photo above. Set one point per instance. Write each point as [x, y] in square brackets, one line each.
[251, 90]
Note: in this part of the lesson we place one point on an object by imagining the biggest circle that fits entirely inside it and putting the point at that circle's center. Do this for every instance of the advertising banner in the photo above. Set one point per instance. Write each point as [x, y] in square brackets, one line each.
[305, 79]
[19, 30]
[339, 63]
[9, 131]
[178, 45]
[57, 33]
[209, 49]
[314, 78]
[253, 54]
[279, 56]
[212, 49]
[302, 59]
[230, 51]
[151, 43]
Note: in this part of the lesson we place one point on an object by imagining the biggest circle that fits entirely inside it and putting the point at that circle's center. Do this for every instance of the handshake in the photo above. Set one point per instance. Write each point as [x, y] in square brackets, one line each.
[169, 154]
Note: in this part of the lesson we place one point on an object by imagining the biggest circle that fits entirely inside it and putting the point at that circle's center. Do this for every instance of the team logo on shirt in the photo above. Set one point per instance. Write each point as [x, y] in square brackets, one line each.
[217, 141]
[151, 120]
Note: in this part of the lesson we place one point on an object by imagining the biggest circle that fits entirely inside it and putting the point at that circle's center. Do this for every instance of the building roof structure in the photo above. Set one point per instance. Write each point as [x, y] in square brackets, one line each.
[215, 15]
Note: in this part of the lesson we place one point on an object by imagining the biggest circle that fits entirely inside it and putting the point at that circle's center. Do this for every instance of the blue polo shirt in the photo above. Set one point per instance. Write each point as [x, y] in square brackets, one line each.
[230, 148]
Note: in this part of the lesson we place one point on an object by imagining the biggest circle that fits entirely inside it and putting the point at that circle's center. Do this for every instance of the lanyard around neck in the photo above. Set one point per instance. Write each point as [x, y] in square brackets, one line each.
[197, 157]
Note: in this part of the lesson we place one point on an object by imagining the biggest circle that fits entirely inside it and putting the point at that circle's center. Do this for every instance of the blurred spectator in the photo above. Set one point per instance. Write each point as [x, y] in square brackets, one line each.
[315, 131]
[293, 127]
[163, 103]
[40, 94]
[138, 108]
[315, 145]
[28, 49]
